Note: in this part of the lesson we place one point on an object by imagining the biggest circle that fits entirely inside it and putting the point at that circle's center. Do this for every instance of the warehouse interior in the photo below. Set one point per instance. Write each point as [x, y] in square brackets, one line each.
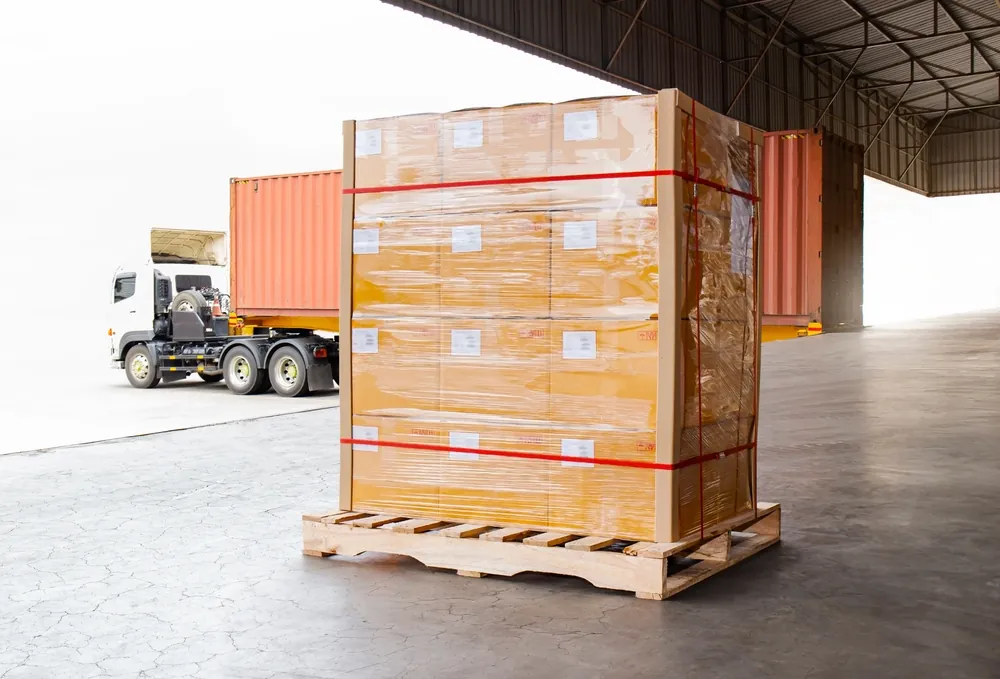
[180, 554]
[916, 82]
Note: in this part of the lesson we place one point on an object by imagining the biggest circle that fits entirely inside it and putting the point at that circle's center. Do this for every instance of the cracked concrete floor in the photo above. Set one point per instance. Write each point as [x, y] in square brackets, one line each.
[177, 555]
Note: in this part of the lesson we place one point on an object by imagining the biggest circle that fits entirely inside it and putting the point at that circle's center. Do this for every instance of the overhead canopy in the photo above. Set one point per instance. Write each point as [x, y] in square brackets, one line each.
[917, 82]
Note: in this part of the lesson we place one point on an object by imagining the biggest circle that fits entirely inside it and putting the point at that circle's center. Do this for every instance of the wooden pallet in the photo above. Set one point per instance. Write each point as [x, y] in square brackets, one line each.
[651, 570]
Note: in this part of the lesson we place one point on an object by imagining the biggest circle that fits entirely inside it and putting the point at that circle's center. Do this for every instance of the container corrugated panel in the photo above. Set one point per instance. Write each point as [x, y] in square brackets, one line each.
[792, 236]
[285, 244]
[813, 229]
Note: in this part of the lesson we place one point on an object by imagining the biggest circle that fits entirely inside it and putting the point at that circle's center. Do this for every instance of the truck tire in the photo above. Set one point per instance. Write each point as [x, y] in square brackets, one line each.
[188, 300]
[211, 379]
[242, 374]
[287, 371]
[140, 369]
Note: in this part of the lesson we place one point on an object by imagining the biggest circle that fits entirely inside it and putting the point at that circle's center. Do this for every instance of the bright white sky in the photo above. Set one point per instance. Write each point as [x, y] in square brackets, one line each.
[117, 116]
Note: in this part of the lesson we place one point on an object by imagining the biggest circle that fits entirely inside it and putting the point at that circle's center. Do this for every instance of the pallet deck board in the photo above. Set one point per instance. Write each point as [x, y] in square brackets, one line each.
[548, 539]
[466, 530]
[591, 543]
[506, 535]
[417, 525]
[375, 521]
[475, 550]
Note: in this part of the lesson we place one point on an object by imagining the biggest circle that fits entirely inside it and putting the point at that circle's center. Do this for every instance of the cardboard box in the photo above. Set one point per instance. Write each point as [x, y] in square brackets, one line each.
[604, 373]
[495, 369]
[392, 152]
[725, 491]
[597, 136]
[396, 367]
[397, 267]
[715, 141]
[499, 143]
[491, 489]
[614, 383]
[723, 385]
[605, 264]
[601, 499]
[391, 480]
[495, 265]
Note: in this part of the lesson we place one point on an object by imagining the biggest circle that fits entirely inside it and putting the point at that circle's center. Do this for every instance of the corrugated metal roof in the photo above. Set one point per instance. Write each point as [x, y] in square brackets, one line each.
[706, 49]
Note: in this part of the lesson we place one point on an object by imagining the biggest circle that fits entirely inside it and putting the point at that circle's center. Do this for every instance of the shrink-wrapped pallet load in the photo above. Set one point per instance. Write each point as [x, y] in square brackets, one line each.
[554, 317]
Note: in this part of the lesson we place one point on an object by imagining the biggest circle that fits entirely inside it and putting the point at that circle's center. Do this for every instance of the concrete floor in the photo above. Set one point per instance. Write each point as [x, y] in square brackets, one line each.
[176, 555]
[96, 404]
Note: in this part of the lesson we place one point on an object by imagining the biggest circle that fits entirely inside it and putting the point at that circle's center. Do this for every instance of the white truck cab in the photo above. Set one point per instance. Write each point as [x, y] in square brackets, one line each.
[191, 259]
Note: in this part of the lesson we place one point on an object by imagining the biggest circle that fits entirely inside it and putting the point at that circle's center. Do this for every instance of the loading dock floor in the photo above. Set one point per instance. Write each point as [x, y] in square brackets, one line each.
[177, 555]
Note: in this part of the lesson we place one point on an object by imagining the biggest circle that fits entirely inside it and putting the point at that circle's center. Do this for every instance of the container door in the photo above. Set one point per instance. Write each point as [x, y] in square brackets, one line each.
[842, 254]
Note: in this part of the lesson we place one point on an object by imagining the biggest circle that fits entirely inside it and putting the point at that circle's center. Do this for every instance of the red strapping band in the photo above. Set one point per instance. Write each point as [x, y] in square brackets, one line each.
[553, 178]
[611, 462]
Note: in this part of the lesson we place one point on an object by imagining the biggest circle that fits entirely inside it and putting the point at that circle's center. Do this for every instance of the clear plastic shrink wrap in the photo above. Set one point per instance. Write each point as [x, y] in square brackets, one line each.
[512, 361]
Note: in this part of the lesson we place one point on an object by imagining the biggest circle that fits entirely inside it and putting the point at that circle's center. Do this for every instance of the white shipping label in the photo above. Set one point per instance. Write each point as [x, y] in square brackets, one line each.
[367, 434]
[466, 342]
[580, 235]
[467, 238]
[463, 439]
[367, 143]
[577, 448]
[580, 344]
[366, 241]
[580, 126]
[468, 135]
[364, 340]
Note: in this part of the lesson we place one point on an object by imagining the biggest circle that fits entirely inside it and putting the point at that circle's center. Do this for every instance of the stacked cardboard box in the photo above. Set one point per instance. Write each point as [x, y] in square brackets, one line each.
[501, 306]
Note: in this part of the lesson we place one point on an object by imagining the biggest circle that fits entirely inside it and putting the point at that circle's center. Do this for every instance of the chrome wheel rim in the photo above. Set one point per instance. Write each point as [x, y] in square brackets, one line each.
[240, 370]
[140, 366]
[288, 372]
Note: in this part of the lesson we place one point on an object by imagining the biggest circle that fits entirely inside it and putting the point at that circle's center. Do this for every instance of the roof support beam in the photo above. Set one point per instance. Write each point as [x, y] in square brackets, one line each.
[760, 58]
[923, 146]
[628, 32]
[973, 42]
[921, 81]
[961, 109]
[840, 88]
[928, 55]
[887, 119]
[859, 22]
[894, 42]
[906, 52]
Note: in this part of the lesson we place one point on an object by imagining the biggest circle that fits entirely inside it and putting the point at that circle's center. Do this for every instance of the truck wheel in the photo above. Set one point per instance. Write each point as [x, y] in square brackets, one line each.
[242, 374]
[211, 379]
[140, 368]
[287, 371]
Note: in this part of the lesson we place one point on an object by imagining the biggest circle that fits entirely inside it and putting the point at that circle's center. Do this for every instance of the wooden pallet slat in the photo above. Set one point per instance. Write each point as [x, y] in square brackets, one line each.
[548, 539]
[375, 521]
[636, 547]
[465, 530]
[506, 534]
[417, 525]
[590, 543]
[344, 517]
[475, 550]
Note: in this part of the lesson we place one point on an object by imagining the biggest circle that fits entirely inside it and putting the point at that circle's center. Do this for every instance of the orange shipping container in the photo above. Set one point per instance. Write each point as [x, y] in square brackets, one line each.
[813, 229]
[284, 236]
